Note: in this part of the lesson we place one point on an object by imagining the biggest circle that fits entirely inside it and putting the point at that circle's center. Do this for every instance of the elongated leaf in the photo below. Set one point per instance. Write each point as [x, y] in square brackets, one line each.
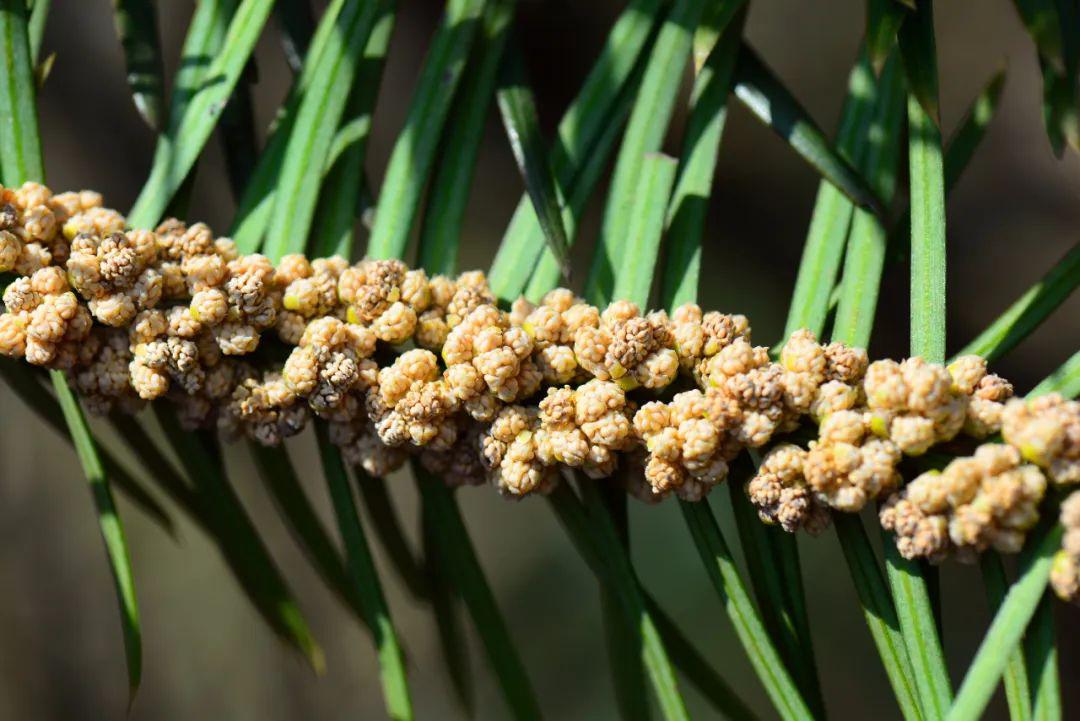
[927, 191]
[156, 466]
[338, 207]
[178, 149]
[547, 274]
[624, 657]
[39, 15]
[365, 582]
[1040, 17]
[772, 564]
[258, 201]
[278, 473]
[22, 383]
[915, 611]
[725, 578]
[883, 19]
[867, 245]
[919, 55]
[1065, 380]
[518, 111]
[440, 236]
[641, 246]
[468, 578]
[644, 134]
[701, 145]
[969, 133]
[136, 26]
[591, 117]
[297, 24]
[238, 139]
[758, 88]
[21, 160]
[387, 526]
[445, 605]
[112, 531]
[696, 669]
[1007, 629]
[958, 152]
[622, 581]
[316, 124]
[202, 43]
[20, 144]
[622, 638]
[414, 151]
[828, 232]
[1017, 692]
[879, 612]
[855, 317]
[1030, 310]
[622, 267]
[1041, 655]
[240, 540]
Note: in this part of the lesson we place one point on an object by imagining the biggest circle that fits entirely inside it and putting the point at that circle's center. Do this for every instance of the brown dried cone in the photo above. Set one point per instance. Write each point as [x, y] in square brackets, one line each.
[627, 348]
[781, 495]
[488, 362]
[44, 322]
[511, 456]
[915, 404]
[687, 450]
[1046, 431]
[332, 360]
[411, 404]
[987, 394]
[553, 325]
[847, 467]
[1065, 573]
[699, 336]
[745, 393]
[386, 296]
[585, 428]
[451, 301]
[989, 500]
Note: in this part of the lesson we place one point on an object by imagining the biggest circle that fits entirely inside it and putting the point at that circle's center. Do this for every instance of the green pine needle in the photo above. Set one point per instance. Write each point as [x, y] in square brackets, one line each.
[414, 152]
[364, 581]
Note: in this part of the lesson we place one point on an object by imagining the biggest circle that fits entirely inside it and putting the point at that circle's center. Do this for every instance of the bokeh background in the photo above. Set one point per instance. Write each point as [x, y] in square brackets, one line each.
[207, 653]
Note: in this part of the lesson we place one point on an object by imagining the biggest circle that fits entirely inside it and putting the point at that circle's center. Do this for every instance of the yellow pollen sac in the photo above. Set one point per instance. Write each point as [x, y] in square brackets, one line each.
[878, 426]
[627, 383]
[292, 302]
[394, 295]
[194, 312]
[617, 371]
[69, 230]
[1033, 454]
[712, 347]
[529, 328]
[524, 436]
[350, 315]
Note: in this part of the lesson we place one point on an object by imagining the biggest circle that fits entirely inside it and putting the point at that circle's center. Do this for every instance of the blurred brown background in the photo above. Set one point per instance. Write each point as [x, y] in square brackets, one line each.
[208, 654]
